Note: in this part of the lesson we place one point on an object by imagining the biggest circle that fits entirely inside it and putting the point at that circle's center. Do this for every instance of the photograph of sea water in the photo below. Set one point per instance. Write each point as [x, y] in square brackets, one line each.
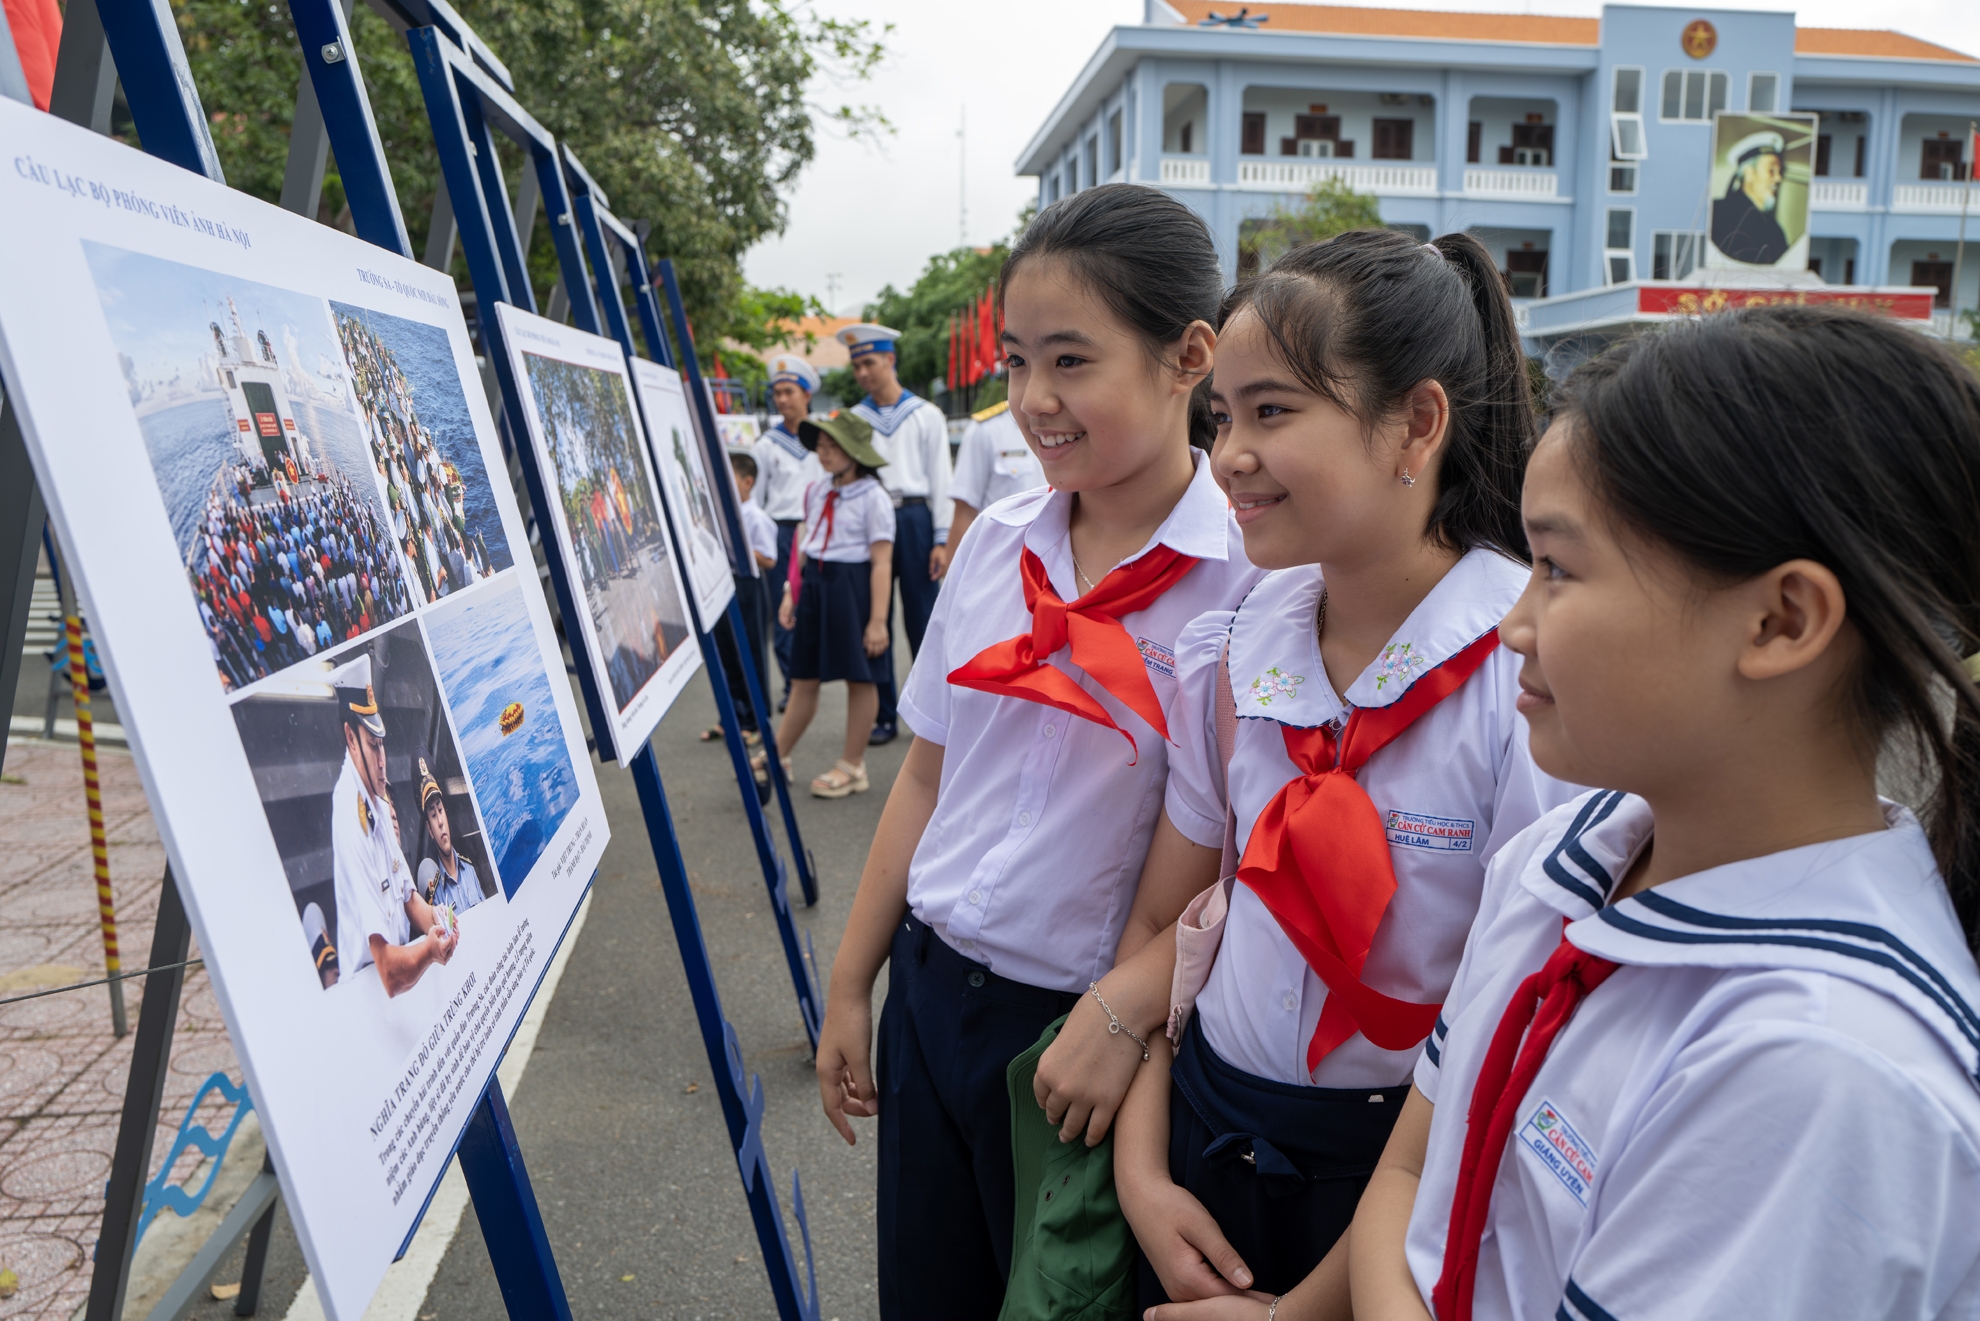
[246, 408]
[424, 447]
[518, 762]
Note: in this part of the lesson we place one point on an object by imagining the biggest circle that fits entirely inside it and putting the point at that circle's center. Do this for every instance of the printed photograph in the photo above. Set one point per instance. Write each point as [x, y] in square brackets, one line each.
[1761, 167]
[606, 497]
[245, 406]
[485, 651]
[690, 495]
[424, 449]
[367, 796]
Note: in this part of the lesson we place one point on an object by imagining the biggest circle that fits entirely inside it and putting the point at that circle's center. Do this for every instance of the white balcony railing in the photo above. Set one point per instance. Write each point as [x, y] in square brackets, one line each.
[1186, 170]
[1931, 197]
[1511, 183]
[1838, 195]
[1298, 176]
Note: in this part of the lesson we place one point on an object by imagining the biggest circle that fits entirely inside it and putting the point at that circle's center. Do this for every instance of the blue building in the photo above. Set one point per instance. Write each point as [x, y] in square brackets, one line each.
[1576, 149]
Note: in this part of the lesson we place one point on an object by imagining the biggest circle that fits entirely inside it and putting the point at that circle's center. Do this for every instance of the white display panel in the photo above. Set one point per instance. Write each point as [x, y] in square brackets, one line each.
[691, 494]
[584, 431]
[266, 450]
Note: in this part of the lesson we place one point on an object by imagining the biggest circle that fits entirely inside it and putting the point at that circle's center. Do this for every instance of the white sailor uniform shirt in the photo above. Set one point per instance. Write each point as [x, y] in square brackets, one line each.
[1452, 789]
[372, 880]
[993, 462]
[1042, 821]
[913, 437]
[784, 467]
[1770, 1109]
[861, 516]
[759, 530]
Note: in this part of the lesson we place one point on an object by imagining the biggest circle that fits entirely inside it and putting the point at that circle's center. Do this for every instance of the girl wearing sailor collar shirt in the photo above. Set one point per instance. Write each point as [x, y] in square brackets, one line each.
[999, 882]
[1373, 418]
[1712, 1050]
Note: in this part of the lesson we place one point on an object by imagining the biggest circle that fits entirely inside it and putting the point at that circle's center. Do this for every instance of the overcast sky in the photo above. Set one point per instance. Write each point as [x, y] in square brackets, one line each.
[873, 215]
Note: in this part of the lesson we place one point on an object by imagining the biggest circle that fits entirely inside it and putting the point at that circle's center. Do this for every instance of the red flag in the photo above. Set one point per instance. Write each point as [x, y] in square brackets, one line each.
[988, 337]
[968, 349]
[955, 359]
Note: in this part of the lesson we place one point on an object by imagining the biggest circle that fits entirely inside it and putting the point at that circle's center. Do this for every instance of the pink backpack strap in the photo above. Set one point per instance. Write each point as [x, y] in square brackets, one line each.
[1226, 709]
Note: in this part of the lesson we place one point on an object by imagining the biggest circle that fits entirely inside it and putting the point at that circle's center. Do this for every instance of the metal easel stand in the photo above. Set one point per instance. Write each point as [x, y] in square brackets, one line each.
[465, 102]
[142, 41]
[711, 439]
[595, 222]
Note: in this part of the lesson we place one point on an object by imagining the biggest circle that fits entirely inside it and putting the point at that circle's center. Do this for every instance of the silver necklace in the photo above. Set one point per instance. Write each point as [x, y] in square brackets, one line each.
[1078, 572]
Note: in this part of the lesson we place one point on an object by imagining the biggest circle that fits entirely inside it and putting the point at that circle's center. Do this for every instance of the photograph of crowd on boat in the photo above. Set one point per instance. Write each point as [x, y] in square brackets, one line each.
[424, 448]
[611, 514]
[243, 398]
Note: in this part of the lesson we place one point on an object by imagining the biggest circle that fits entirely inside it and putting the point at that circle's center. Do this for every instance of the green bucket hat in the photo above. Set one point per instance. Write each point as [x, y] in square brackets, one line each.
[849, 433]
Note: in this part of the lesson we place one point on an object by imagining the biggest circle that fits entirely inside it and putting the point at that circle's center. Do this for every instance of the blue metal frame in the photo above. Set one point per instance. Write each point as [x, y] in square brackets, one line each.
[598, 224]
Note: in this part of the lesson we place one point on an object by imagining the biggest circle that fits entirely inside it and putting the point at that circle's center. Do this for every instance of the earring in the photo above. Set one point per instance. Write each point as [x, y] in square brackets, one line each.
[1408, 480]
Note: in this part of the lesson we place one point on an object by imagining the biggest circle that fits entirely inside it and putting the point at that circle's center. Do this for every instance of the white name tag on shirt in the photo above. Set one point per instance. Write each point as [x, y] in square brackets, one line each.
[1417, 831]
[1549, 1137]
[1156, 657]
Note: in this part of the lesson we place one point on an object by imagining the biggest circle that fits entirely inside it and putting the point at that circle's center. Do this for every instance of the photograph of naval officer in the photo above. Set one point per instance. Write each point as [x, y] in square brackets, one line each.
[446, 877]
[378, 906]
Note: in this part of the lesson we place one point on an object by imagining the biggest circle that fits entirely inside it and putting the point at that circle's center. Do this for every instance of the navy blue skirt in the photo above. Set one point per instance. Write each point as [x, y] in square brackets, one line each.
[834, 604]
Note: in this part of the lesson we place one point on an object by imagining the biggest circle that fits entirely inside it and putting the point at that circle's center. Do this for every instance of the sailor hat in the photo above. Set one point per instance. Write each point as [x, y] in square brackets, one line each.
[355, 697]
[1763, 143]
[790, 367]
[429, 788]
[866, 338]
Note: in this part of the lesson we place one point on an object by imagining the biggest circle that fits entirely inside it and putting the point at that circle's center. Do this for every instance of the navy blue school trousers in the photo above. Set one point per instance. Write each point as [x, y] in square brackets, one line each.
[749, 601]
[774, 589]
[949, 1030]
[914, 542]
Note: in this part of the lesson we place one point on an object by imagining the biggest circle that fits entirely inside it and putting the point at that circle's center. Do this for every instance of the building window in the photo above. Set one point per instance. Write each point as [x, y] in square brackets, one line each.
[1674, 253]
[1619, 245]
[1184, 135]
[1092, 161]
[1532, 145]
[1822, 144]
[1941, 158]
[1474, 138]
[1072, 174]
[1626, 140]
[1395, 139]
[1113, 142]
[1622, 178]
[1254, 134]
[1934, 275]
[1693, 95]
[1317, 134]
[1526, 273]
[1763, 93]
[1859, 156]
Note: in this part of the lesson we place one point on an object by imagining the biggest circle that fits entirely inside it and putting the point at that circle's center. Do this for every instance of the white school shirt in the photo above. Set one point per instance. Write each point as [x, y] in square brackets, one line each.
[1770, 1109]
[784, 467]
[1042, 822]
[994, 462]
[759, 529]
[861, 516]
[913, 437]
[1451, 790]
[372, 881]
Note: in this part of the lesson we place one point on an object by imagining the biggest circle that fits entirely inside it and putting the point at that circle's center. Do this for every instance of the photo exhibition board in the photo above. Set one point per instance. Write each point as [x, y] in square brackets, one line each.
[586, 442]
[269, 458]
[691, 492]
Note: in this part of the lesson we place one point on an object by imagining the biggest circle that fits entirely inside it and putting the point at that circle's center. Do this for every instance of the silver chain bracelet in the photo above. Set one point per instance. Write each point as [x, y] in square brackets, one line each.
[1273, 1310]
[1114, 1024]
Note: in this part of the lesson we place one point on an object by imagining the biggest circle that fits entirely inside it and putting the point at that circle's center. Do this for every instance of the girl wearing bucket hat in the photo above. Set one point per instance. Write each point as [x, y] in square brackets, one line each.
[835, 598]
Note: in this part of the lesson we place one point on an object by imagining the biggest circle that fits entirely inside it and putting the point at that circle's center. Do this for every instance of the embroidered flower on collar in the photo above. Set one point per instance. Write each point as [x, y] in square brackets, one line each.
[1275, 683]
[1399, 661]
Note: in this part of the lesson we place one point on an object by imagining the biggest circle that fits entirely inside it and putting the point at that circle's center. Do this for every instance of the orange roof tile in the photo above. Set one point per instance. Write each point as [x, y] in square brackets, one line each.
[1357, 21]
[1354, 20]
[1877, 45]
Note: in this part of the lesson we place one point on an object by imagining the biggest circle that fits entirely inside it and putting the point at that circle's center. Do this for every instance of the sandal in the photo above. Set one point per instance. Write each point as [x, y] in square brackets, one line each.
[759, 763]
[712, 734]
[841, 781]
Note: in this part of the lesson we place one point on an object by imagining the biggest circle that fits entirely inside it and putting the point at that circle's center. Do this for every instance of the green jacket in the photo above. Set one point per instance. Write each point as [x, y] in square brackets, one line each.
[1072, 1253]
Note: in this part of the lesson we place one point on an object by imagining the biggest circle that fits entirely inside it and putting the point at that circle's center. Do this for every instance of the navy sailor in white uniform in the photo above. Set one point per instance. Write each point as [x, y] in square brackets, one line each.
[783, 469]
[913, 436]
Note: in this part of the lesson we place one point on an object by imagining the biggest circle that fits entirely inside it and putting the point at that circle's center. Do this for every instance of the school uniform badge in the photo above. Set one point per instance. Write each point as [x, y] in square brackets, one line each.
[1551, 1139]
[1156, 657]
[1418, 831]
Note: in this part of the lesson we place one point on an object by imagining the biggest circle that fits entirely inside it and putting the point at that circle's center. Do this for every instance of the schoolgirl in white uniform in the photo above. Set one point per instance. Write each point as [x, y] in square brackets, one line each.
[835, 595]
[1712, 1050]
[1373, 418]
[1000, 879]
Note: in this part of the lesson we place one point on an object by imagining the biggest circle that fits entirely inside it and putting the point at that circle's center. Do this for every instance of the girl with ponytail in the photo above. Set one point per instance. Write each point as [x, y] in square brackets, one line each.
[1713, 1048]
[1347, 739]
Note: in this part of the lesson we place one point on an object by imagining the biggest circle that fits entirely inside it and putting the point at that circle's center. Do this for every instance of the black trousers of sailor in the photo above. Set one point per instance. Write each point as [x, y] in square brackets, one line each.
[774, 589]
[1280, 1168]
[914, 543]
[947, 1199]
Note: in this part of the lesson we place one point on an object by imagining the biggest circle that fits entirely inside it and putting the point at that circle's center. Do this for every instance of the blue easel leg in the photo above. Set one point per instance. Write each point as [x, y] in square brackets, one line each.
[741, 1097]
[759, 829]
[760, 701]
[492, 1164]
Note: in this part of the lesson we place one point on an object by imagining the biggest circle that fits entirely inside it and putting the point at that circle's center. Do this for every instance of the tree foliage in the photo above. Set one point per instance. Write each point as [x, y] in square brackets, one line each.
[693, 115]
[1329, 208]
